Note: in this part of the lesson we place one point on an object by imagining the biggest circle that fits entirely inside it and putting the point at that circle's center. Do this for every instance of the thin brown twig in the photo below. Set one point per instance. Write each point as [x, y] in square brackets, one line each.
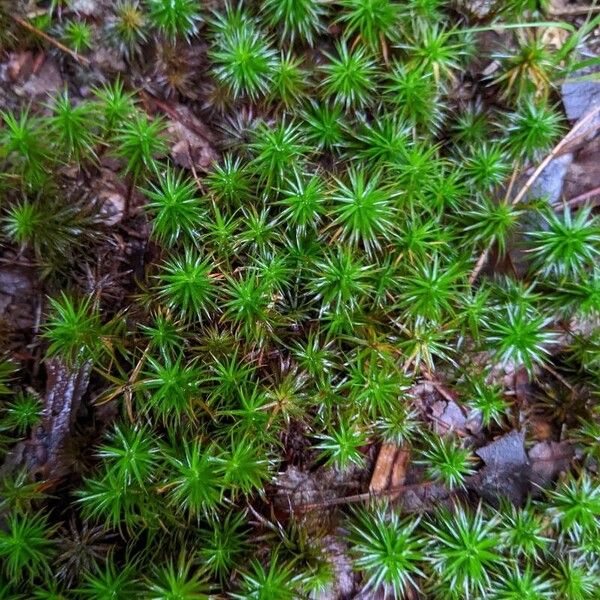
[42, 34]
[567, 139]
[479, 264]
[392, 492]
[574, 11]
[581, 198]
[511, 184]
[558, 376]
[555, 151]
[447, 394]
[193, 167]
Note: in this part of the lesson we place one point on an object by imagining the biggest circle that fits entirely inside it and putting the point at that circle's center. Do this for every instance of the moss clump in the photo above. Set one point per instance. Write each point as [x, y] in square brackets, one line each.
[354, 243]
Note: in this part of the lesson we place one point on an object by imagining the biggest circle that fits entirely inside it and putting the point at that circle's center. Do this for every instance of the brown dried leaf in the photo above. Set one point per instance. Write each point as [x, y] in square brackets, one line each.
[506, 470]
[192, 140]
[548, 459]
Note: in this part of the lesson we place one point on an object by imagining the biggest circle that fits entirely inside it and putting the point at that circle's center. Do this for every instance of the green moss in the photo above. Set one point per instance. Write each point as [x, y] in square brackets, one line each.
[352, 257]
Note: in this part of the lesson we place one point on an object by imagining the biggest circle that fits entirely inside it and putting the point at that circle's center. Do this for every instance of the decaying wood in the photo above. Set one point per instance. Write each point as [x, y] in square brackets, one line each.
[382, 473]
[399, 468]
[42, 455]
[390, 468]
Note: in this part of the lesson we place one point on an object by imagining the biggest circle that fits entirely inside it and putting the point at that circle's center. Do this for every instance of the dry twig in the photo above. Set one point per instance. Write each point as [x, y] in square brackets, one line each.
[82, 60]
[392, 492]
[581, 198]
[556, 151]
[573, 11]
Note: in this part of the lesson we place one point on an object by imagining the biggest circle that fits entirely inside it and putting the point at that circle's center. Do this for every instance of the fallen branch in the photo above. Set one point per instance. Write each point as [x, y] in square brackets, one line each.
[42, 454]
[386, 465]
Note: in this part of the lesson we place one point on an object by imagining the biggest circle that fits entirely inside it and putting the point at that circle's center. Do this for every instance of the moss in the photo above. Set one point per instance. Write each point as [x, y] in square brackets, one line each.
[290, 298]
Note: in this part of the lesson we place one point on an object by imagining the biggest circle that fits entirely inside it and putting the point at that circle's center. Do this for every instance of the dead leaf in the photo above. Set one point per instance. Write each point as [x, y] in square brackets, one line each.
[549, 184]
[555, 37]
[541, 429]
[427, 496]
[448, 417]
[47, 81]
[108, 60]
[583, 173]
[506, 470]
[110, 195]
[548, 459]
[505, 451]
[192, 140]
[86, 7]
[480, 9]
[20, 65]
[16, 299]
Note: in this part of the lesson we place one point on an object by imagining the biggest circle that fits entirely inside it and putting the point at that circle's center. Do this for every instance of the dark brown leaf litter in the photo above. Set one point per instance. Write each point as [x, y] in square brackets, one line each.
[548, 459]
[511, 472]
[583, 174]
[506, 469]
[192, 141]
[17, 299]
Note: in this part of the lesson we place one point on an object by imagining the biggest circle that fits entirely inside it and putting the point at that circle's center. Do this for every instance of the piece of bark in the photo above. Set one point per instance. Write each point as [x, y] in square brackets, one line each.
[390, 468]
[380, 480]
[17, 299]
[42, 455]
[399, 467]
